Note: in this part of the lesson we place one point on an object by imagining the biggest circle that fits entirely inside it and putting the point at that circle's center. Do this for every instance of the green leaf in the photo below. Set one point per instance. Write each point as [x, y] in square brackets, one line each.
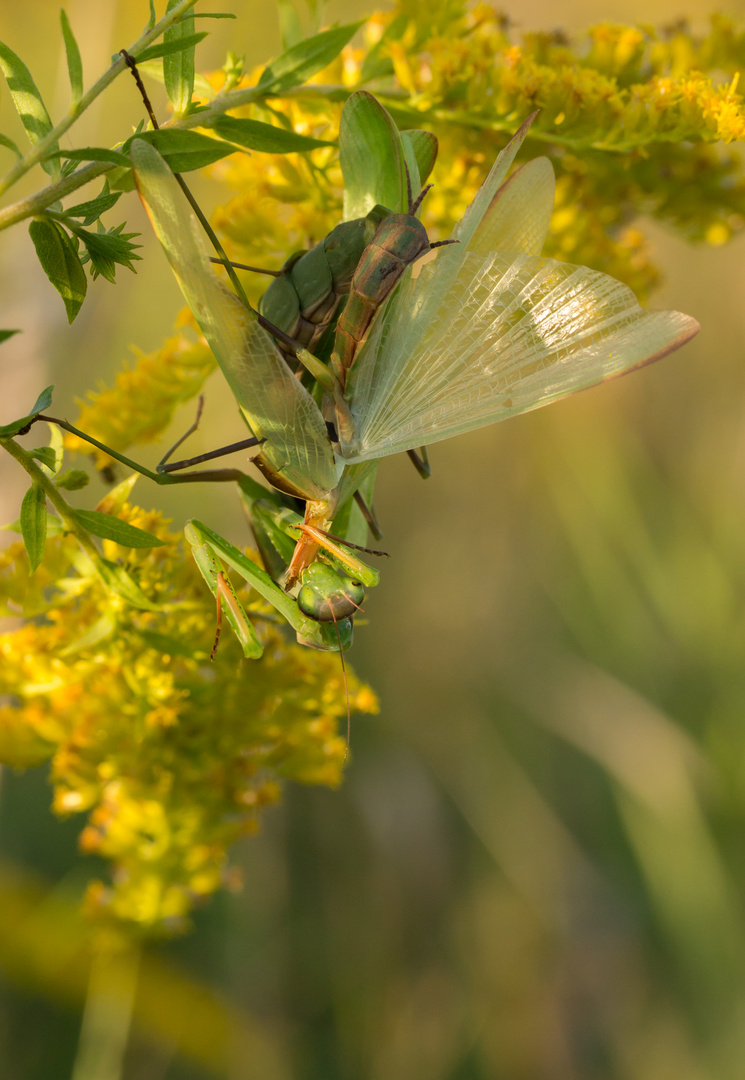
[74, 63]
[5, 334]
[233, 69]
[371, 156]
[255, 135]
[107, 250]
[165, 644]
[90, 211]
[153, 19]
[34, 524]
[377, 64]
[92, 153]
[73, 480]
[214, 15]
[178, 67]
[297, 64]
[43, 402]
[47, 456]
[28, 102]
[186, 150]
[61, 263]
[290, 31]
[5, 141]
[118, 581]
[102, 629]
[166, 48]
[113, 528]
[54, 526]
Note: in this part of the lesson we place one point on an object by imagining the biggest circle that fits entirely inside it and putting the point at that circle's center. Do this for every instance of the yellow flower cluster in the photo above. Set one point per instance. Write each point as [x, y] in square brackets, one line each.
[172, 757]
[141, 403]
[620, 88]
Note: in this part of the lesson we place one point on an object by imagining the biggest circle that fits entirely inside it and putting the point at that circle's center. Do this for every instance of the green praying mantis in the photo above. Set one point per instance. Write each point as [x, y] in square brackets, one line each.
[431, 342]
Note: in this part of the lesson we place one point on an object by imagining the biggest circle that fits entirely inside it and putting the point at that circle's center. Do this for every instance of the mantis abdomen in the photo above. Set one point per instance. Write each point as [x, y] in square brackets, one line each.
[399, 240]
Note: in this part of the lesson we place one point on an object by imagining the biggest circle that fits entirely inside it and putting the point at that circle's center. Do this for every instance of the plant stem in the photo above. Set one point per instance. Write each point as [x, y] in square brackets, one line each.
[49, 141]
[37, 203]
[108, 1013]
[65, 511]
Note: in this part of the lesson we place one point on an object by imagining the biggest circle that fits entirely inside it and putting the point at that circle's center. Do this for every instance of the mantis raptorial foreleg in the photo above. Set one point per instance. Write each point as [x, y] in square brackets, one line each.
[212, 550]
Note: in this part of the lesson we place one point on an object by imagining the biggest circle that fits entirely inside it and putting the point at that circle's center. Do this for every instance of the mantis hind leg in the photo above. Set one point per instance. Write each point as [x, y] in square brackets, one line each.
[175, 466]
[420, 461]
[368, 513]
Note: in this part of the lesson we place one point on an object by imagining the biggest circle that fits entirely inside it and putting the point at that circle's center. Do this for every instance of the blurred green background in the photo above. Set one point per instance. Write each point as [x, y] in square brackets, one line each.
[535, 869]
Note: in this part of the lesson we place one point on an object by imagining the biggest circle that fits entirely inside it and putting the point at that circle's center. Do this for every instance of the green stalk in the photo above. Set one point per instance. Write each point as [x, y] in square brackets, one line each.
[35, 204]
[49, 141]
[65, 511]
[107, 1016]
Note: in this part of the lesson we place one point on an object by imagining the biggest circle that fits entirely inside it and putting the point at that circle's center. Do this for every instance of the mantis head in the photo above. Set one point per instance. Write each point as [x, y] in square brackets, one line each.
[327, 595]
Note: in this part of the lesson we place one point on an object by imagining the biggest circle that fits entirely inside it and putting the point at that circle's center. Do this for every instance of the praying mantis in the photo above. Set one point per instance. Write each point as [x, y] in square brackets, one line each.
[430, 343]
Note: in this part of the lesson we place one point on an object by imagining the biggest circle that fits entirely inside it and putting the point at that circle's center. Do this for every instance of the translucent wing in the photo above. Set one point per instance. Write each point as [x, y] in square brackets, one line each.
[487, 212]
[510, 334]
[479, 208]
[277, 407]
[519, 215]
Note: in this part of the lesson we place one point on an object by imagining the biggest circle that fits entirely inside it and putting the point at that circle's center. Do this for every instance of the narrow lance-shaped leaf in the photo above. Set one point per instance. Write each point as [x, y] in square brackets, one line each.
[91, 210]
[290, 31]
[117, 580]
[5, 334]
[28, 102]
[113, 528]
[44, 400]
[297, 64]
[167, 48]
[91, 153]
[5, 141]
[74, 63]
[34, 524]
[185, 151]
[178, 67]
[255, 135]
[61, 263]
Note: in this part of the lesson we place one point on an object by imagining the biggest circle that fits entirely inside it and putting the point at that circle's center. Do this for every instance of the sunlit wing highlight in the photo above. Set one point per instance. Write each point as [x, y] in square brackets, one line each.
[510, 334]
[520, 213]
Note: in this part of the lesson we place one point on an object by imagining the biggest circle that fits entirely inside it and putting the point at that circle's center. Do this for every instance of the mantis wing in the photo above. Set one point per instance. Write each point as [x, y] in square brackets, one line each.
[519, 215]
[508, 334]
[277, 407]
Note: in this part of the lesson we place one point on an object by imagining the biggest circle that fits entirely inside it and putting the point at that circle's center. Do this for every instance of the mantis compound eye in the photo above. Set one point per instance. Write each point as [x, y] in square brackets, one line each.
[327, 595]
